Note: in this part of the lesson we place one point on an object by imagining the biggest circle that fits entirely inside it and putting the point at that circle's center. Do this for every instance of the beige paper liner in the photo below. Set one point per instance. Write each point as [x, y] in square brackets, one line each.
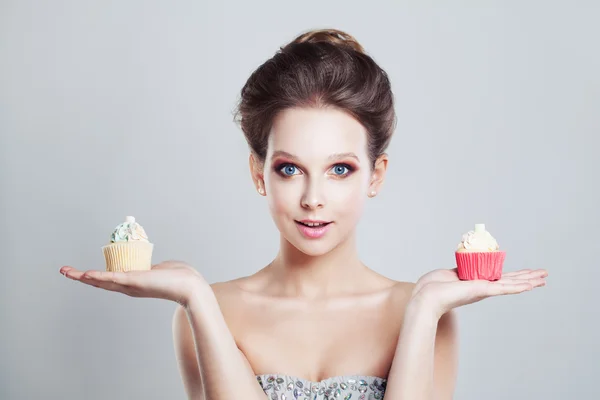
[128, 256]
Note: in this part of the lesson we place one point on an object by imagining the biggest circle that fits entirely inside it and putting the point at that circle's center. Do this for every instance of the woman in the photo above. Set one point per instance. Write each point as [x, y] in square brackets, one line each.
[315, 323]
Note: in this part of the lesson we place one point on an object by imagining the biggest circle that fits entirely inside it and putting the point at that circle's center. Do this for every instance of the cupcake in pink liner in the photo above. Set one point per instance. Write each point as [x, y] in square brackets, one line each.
[478, 256]
[129, 248]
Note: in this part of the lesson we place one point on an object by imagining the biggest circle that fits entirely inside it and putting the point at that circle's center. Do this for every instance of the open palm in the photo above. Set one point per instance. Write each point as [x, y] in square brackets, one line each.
[447, 291]
[171, 280]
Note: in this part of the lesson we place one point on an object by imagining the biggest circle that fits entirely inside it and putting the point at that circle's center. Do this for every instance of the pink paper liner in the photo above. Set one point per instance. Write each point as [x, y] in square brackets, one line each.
[480, 265]
[128, 256]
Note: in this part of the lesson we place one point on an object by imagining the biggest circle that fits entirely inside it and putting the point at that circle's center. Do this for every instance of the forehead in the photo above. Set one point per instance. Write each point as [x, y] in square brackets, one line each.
[316, 133]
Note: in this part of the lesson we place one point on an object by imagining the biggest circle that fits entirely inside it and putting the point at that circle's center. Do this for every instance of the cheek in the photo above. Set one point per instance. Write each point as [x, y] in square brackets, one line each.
[283, 197]
[347, 198]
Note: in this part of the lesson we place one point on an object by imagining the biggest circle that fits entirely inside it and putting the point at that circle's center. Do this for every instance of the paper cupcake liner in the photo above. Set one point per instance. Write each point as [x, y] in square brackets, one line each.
[128, 256]
[480, 265]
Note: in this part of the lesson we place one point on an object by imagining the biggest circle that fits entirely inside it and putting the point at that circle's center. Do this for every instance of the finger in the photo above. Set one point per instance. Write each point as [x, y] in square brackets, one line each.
[540, 273]
[520, 272]
[113, 287]
[168, 265]
[501, 289]
[73, 273]
[105, 280]
[527, 272]
[66, 269]
[534, 282]
[117, 278]
[163, 265]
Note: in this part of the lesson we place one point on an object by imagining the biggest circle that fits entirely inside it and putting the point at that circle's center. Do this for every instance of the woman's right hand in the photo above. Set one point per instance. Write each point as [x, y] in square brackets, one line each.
[170, 280]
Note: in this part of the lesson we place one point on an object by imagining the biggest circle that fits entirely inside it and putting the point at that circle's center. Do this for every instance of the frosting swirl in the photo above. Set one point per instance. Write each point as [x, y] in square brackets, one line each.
[129, 231]
[478, 240]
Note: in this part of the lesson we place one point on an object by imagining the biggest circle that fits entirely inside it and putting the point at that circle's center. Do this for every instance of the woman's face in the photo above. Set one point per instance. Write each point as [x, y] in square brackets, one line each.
[316, 171]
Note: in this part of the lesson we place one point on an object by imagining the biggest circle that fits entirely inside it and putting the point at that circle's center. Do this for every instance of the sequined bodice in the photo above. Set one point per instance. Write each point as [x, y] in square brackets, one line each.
[350, 387]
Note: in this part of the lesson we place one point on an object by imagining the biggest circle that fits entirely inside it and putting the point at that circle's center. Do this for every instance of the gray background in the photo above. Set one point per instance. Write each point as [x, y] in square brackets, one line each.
[110, 109]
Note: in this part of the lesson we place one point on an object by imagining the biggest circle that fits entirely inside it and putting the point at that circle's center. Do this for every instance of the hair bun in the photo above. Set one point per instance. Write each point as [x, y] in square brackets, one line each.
[333, 36]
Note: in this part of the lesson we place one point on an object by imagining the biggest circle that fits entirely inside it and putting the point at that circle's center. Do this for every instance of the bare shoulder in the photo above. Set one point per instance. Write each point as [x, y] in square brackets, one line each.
[403, 289]
[399, 293]
[230, 291]
[227, 295]
[400, 296]
[446, 340]
[233, 298]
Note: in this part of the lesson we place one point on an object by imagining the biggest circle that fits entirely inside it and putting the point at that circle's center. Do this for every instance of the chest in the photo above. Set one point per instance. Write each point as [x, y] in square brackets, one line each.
[346, 338]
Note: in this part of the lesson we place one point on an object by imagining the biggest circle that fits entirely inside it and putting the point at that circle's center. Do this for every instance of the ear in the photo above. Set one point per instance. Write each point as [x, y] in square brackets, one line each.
[256, 172]
[378, 175]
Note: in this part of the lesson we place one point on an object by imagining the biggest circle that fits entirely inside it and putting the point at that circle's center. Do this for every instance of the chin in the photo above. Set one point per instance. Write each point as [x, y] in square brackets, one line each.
[313, 249]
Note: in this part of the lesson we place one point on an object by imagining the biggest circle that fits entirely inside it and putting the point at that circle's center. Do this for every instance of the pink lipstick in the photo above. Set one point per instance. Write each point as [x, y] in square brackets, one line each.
[312, 229]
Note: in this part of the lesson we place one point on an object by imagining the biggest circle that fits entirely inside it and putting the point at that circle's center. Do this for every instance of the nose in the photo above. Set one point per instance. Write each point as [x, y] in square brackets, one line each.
[313, 197]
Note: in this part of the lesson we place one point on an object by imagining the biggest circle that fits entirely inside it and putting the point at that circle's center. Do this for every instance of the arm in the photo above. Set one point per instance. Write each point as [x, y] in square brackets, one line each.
[211, 365]
[425, 362]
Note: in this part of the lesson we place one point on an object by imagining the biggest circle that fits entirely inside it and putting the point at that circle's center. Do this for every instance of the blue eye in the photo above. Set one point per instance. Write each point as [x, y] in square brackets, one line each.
[288, 169]
[339, 169]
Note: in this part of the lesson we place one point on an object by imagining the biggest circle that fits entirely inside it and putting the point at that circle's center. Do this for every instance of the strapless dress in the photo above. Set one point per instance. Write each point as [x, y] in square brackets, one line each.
[347, 387]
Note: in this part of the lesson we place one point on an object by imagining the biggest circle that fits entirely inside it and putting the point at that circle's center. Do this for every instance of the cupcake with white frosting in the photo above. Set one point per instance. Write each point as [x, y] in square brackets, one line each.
[129, 248]
[478, 256]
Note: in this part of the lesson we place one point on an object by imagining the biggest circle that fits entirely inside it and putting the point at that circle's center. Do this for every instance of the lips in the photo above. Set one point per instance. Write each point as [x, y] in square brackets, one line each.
[313, 223]
[313, 229]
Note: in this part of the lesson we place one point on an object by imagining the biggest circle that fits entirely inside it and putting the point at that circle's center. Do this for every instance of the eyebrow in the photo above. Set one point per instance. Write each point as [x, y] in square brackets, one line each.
[333, 157]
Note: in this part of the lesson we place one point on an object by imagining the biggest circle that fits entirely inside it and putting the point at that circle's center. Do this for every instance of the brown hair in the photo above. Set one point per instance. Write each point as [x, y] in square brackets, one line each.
[320, 68]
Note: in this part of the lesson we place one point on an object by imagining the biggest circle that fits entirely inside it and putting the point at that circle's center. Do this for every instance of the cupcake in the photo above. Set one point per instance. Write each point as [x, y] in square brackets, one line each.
[129, 248]
[478, 256]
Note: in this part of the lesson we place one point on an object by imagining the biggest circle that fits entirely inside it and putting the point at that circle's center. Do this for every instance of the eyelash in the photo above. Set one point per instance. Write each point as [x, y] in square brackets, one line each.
[281, 166]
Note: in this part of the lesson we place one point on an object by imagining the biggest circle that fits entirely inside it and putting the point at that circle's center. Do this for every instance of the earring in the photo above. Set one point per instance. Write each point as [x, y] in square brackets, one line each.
[261, 190]
[372, 194]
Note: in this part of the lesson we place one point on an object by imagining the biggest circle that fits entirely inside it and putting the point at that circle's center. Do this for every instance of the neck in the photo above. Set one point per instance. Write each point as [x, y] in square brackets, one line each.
[337, 272]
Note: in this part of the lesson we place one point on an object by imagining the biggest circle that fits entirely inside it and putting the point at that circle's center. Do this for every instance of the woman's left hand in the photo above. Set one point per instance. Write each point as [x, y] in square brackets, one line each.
[171, 280]
[443, 290]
